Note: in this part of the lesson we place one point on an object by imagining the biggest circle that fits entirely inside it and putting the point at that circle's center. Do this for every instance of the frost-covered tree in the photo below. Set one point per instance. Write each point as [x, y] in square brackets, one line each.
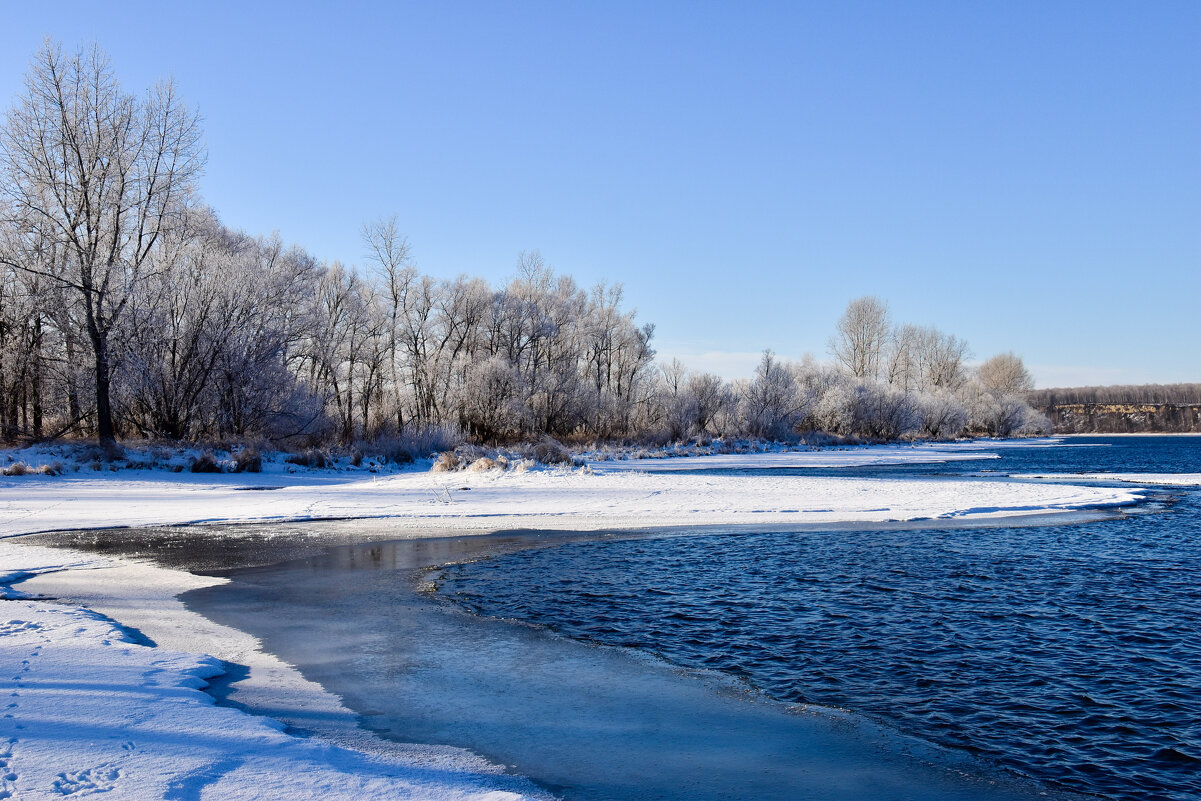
[677, 404]
[943, 415]
[389, 254]
[713, 403]
[491, 404]
[1005, 374]
[173, 333]
[773, 404]
[22, 355]
[923, 358]
[101, 175]
[212, 336]
[861, 336]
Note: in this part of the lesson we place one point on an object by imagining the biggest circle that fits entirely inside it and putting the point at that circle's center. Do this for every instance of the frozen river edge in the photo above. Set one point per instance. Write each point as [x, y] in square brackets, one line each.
[151, 734]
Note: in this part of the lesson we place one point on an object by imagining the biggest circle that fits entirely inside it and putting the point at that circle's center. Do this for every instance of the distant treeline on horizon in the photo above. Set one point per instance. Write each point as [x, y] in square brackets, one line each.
[1121, 409]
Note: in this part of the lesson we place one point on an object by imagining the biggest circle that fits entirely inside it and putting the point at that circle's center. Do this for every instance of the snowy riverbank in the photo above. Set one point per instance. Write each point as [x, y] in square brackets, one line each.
[92, 709]
[602, 495]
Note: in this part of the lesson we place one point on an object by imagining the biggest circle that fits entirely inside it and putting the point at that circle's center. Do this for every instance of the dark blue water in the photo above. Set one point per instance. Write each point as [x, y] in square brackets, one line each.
[1141, 454]
[1068, 653]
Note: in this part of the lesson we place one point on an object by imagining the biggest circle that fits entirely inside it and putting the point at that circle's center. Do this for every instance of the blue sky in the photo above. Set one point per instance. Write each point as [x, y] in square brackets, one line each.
[1024, 175]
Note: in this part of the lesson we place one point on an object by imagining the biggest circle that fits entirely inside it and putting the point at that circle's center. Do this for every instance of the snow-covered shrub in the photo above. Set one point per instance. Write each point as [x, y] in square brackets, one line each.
[1033, 423]
[205, 463]
[773, 404]
[1009, 414]
[482, 464]
[16, 469]
[886, 413]
[835, 412]
[1003, 415]
[446, 462]
[943, 415]
[416, 442]
[867, 409]
[248, 460]
[309, 458]
[101, 453]
[550, 451]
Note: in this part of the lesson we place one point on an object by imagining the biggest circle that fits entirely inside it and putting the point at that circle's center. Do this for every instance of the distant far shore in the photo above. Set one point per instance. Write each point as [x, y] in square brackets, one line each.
[1128, 434]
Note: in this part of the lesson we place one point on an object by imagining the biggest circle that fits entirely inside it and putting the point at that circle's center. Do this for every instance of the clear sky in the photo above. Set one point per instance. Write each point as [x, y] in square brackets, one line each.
[1026, 175]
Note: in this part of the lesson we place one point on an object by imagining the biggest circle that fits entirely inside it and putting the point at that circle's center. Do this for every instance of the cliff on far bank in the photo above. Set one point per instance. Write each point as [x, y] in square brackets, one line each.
[1145, 409]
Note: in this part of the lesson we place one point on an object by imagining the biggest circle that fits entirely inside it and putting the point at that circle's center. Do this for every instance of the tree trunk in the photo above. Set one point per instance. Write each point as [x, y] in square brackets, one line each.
[73, 409]
[104, 409]
[36, 380]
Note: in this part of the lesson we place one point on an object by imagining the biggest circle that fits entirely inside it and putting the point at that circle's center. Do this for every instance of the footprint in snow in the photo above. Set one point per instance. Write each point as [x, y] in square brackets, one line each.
[91, 780]
[7, 777]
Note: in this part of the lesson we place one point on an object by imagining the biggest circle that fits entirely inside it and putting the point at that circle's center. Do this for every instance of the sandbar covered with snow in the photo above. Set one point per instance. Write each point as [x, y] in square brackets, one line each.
[493, 500]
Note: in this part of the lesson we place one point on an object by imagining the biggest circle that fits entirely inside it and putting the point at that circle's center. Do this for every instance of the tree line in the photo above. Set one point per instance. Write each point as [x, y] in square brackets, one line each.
[128, 309]
[1120, 394]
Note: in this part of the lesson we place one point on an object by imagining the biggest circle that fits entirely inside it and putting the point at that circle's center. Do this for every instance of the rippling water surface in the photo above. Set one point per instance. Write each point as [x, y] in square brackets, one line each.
[1068, 653]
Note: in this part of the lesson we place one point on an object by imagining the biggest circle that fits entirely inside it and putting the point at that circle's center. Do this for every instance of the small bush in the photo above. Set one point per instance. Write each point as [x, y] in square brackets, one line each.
[482, 464]
[447, 462]
[16, 469]
[310, 458]
[417, 442]
[356, 458]
[52, 469]
[249, 460]
[101, 453]
[205, 463]
[468, 453]
[549, 451]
